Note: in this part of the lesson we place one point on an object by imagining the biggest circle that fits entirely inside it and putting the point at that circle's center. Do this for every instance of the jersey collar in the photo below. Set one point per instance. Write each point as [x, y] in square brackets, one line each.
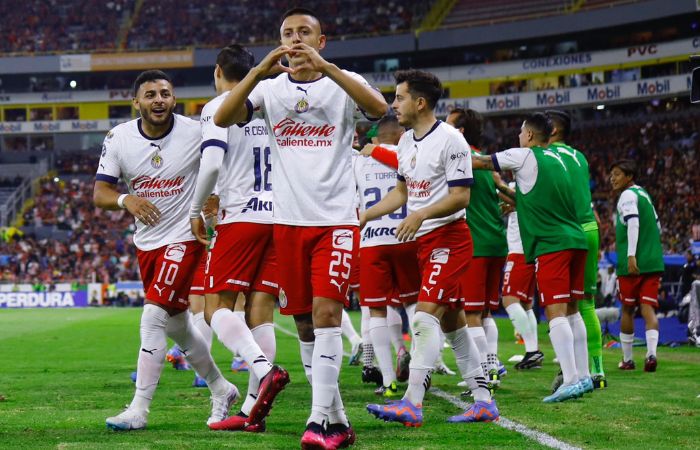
[167, 132]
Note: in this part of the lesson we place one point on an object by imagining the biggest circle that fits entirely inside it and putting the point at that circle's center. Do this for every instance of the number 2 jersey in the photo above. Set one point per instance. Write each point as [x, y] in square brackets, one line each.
[311, 128]
[374, 181]
[162, 170]
[245, 178]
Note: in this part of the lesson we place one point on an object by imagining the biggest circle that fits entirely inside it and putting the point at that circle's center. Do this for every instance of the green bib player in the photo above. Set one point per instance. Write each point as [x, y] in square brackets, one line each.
[577, 166]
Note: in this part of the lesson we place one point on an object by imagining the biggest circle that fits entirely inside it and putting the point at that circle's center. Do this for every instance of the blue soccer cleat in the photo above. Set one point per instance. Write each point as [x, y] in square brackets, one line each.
[133, 376]
[478, 412]
[177, 358]
[199, 382]
[401, 411]
[586, 384]
[502, 371]
[565, 392]
[239, 365]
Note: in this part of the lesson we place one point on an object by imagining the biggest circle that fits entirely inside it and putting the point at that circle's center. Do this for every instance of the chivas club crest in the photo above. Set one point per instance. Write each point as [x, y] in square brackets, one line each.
[157, 161]
[413, 162]
[302, 106]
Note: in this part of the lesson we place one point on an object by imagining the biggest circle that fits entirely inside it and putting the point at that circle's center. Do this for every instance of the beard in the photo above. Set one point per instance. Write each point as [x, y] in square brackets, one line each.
[155, 120]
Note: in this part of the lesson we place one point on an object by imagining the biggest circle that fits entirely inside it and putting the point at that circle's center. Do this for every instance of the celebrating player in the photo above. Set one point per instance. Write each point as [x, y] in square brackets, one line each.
[311, 111]
[157, 156]
[639, 261]
[434, 179]
[553, 237]
[242, 257]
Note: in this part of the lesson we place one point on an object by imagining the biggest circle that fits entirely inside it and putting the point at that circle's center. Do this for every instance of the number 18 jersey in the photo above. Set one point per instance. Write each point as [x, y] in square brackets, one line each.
[245, 178]
[374, 181]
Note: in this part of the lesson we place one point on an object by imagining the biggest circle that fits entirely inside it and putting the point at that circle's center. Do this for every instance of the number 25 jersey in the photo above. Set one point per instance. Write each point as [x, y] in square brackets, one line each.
[245, 178]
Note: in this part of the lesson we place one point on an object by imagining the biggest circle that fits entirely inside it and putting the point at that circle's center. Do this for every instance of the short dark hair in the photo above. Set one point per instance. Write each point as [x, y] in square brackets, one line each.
[561, 121]
[299, 11]
[540, 125]
[388, 127]
[421, 84]
[235, 62]
[150, 75]
[627, 166]
[471, 122]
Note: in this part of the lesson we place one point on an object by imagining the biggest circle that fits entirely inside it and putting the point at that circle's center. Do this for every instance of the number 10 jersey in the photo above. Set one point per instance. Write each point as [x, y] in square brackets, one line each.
[245, 178]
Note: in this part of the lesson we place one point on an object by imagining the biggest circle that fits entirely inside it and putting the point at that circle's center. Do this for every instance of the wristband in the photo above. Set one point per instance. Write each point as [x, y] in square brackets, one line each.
[120, 201]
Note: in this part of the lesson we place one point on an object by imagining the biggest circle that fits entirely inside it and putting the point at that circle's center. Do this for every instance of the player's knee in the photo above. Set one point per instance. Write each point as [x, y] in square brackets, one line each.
[305, 327]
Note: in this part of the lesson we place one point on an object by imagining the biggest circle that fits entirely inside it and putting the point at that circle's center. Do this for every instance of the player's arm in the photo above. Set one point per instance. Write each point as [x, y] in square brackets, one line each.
[212, 158]
[233, 109]
[456, 199]
[106, 196]
[502, 186]
[394, 200]
[369, 100]
[385, 156]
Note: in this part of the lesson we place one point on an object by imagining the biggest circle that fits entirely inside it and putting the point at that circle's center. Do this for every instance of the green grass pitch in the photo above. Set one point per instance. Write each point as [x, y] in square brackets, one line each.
[62, 372]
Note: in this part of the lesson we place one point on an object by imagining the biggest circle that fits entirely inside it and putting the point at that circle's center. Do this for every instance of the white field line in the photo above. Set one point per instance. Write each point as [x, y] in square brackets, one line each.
[296, 336]
[542, 438]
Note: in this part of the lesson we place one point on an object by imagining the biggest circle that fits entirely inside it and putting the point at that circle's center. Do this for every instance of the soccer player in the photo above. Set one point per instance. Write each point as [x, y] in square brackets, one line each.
[639, 261]
[553, 237]
[157, 157]
[518, 291]
[310, 110]
[434, 179]
[242, 255]
[577, 166]
[482, 280]
[389, 272]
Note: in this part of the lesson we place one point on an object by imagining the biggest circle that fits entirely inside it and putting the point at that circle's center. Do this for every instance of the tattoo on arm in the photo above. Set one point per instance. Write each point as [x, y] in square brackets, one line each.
[482, 162]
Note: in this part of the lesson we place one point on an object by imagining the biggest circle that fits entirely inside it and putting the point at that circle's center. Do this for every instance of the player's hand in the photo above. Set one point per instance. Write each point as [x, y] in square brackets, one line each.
[272, 63]
[314, 61]
[506, 208]
[142, 209]
[199, 230]
[632, 267]
[211, 206]
[367, 150]
[408, 228]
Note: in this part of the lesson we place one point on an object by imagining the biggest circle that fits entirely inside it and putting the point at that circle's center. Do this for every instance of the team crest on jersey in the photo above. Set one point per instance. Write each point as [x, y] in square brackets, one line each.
[302, 106]
[283, 298]
[413, 162]
[104, 150]
[157, 161]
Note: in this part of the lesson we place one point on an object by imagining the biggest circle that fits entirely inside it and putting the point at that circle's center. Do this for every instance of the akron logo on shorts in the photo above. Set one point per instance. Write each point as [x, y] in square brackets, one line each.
[440, 255]
[175, 252]
[342, 239]
[283, 298]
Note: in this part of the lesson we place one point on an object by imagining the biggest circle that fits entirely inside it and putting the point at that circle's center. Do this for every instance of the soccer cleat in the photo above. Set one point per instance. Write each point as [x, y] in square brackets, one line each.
[531, 360]
[442, 369]
[340, 436]
[128, 420]
[388, 391]
[502, 371]
[239, 422]
[355, 354]
[478, 412]
[586, 384]
[220, 404]
[239, 365]
[177, 358]
[565, 392]
[133, 376]
[199, 382]
[270, 386]
[401, 411]
[494, 380]
[558, 381]
[372, 375]
[314, 438]
[403, 360]
[650, 364]
[599, 381]
[627, 365]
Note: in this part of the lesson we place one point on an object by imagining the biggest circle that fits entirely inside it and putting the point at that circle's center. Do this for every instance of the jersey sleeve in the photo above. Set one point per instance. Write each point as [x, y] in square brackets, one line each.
[255, 103]
[359, 113]
[212, 135]
[458, 162]
[511, 159]
[627, 206]
[109, 168]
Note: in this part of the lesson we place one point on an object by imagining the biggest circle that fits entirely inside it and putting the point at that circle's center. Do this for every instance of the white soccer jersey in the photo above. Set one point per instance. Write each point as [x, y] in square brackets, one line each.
[515, 243]
[245, 178]
[311, 131]
[161, 170]
[374, 181]
[430, 166]
[522, 162]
